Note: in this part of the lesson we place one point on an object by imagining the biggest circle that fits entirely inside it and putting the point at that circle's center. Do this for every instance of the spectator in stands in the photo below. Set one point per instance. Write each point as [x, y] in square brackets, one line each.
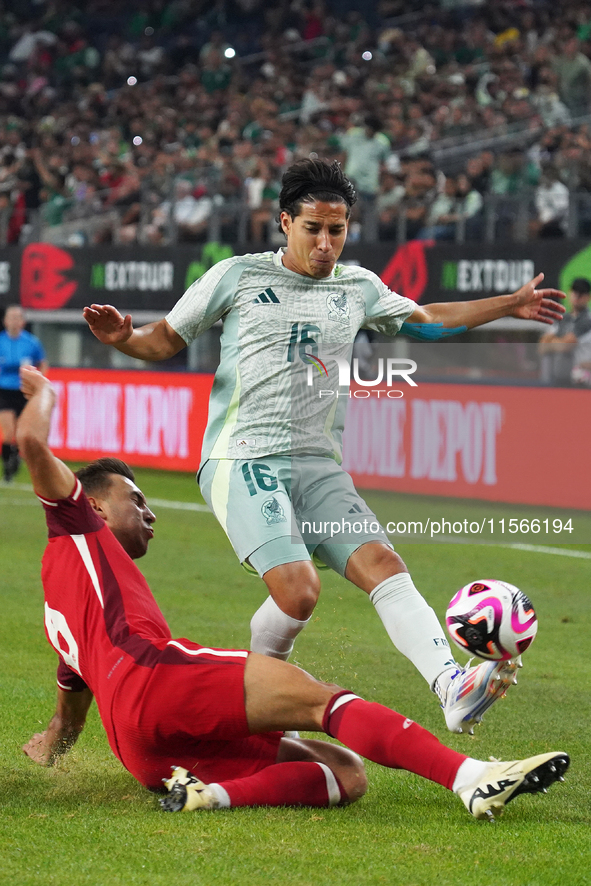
[479, 171]
[513, 173]
[552, 202]
[441, 217]
[546, 101]
[422, 84]
[119, 61]
[31, 36]
[366, 148]
[387, 205]
[581, 372]
[189, 213]
[420, 192]
[216, 46]
[150, 56]
[262, 196]
[469, 203]
[216, 73]
[558, 347]
[458, 204]
[574, 77]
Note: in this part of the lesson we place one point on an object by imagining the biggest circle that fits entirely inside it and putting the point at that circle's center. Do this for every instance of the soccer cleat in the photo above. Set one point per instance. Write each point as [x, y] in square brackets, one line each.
[187, 792]
[487, 797]
[472, 691]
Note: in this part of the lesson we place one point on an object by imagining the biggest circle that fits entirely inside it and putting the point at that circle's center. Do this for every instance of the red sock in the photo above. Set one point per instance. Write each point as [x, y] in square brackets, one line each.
[382, 735]
[287, 784]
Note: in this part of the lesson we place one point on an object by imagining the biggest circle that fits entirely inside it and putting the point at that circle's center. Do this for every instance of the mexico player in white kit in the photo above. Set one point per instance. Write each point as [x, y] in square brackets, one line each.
[271, 458]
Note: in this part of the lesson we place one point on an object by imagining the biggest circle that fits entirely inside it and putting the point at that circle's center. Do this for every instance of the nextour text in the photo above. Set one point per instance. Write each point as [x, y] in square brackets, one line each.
[388, 369]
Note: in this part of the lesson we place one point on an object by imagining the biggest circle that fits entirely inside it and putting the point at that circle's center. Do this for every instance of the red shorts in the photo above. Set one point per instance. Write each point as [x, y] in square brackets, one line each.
[189, 714]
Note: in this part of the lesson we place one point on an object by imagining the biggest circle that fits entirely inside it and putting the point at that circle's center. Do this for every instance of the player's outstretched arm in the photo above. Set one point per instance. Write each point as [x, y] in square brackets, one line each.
[527, 303]
[63, 730]
[155, 341]
[51, 478]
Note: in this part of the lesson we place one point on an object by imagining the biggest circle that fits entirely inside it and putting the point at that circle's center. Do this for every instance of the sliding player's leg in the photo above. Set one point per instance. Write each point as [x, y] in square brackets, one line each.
[307, 773]
[280, 696]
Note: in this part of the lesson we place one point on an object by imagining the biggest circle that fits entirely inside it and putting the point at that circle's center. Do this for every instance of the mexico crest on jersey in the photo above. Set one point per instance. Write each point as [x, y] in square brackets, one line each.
[338, 307]
[273, 512]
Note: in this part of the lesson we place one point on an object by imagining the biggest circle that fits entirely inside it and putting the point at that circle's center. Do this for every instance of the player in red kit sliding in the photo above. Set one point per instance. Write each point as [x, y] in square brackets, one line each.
[168, 702]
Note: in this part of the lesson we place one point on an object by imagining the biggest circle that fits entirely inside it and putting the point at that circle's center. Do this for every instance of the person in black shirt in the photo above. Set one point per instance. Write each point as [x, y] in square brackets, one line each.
[557, 346]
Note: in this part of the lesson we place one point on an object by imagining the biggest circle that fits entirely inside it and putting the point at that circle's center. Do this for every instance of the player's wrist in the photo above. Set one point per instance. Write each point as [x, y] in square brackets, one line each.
[511, 303]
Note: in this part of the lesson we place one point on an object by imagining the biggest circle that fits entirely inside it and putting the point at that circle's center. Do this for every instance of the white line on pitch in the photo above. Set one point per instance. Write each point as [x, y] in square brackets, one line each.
[179, 505]
[466, 539]
[194, 506]
[542, 549]
[157, 502]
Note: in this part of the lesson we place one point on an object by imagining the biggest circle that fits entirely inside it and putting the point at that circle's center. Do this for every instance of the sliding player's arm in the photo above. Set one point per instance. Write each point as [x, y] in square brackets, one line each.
[51, 478]
[63, 730]
[527, 303]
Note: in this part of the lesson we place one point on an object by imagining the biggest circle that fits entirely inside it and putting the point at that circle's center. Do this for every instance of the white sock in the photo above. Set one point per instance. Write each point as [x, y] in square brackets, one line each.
[470, 771]
[413, 626]
[222, 796]
[273, 632]
[442, 682]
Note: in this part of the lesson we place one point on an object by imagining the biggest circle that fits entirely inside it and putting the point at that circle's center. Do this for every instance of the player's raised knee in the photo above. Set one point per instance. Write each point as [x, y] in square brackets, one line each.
[295, 587]
[354, 778]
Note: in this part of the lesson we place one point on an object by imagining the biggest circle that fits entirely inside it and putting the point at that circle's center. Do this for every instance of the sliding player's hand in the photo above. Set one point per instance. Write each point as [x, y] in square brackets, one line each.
[32, 381]
[37, 748]
[107, 324]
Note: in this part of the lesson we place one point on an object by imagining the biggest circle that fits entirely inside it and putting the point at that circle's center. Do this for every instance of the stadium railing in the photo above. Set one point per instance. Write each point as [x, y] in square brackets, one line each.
[503, 218]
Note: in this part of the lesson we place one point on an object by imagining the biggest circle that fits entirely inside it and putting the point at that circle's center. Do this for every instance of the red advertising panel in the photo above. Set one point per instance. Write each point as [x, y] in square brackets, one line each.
[151, 419]
[509, 444]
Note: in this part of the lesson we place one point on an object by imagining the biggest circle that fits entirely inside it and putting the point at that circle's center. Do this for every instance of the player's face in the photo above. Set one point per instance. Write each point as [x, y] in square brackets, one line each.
[14, 321]
[128, 516]
[315, 238]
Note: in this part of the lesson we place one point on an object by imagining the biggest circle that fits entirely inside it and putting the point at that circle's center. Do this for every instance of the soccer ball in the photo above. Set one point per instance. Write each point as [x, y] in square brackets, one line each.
[491, 619]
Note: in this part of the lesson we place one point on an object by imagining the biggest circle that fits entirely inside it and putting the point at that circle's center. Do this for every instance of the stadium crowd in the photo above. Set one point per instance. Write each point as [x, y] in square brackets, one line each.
[159, 114]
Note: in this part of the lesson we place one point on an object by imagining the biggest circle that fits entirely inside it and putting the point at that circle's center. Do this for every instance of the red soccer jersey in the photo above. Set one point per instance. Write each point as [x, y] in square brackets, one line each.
[161, 701]
[100, 615]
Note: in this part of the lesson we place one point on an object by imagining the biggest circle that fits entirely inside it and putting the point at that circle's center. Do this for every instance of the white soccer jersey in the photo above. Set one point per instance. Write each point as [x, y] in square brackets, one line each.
[272, 317]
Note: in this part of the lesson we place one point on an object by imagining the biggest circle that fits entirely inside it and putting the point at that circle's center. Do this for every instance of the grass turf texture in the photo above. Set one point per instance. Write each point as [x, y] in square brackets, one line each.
[86, 821]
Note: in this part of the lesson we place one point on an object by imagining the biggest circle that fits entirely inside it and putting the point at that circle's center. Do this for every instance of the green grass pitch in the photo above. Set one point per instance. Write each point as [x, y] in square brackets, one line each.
[86, 822]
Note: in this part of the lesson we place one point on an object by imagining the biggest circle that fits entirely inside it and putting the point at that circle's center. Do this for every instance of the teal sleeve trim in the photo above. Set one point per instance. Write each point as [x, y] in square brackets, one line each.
[429, 331]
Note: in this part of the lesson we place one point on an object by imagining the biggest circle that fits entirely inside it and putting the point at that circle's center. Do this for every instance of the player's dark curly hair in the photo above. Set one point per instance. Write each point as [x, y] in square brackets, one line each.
[95, 477]
[309, 180]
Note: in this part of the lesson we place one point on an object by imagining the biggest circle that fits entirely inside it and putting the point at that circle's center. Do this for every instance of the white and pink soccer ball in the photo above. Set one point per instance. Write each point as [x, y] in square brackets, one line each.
[491, 619]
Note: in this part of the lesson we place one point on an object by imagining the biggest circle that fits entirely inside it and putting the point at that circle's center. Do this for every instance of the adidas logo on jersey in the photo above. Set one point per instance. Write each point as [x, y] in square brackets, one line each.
[356, 509]
[265, 298]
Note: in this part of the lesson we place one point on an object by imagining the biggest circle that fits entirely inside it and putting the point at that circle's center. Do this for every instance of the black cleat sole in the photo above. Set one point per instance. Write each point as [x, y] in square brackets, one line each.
[540, 778]
[176, 799]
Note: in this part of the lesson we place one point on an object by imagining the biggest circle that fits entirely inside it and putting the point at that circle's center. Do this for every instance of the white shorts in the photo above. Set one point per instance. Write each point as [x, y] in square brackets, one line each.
[279, 509]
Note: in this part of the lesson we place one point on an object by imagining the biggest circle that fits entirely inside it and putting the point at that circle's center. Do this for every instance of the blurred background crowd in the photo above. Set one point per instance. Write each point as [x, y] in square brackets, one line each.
[172, 120]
